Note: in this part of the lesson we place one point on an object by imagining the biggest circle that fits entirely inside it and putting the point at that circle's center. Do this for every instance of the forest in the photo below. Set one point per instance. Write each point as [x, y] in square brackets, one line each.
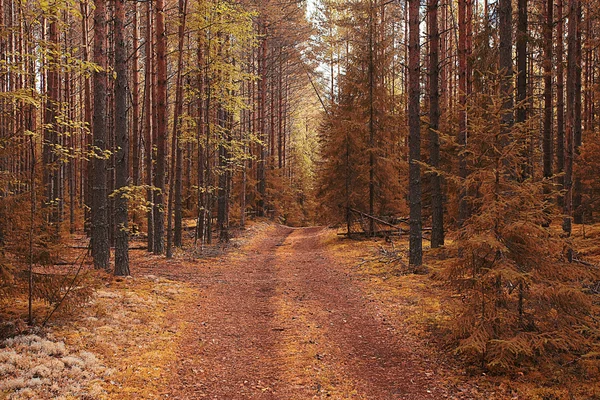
[354, 199]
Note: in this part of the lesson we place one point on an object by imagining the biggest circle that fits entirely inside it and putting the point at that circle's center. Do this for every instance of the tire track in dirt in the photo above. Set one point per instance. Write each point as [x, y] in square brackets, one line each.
[362, 356]
[284, 321]
[230, 353]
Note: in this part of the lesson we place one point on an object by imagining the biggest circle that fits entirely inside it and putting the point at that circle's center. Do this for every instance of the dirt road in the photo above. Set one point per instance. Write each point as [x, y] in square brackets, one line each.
[283, 320]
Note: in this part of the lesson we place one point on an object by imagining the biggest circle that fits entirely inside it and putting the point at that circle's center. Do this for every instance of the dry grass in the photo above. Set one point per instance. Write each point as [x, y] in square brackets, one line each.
[421, 306]
[118, 345]
[32, 367]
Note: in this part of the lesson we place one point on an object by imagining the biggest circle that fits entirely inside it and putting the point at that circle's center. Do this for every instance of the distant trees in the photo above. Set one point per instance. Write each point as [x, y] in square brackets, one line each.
[361, 152]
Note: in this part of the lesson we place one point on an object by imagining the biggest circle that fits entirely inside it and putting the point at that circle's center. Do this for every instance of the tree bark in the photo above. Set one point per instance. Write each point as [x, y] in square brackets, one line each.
[121, 143]
[100, 245]
[505, 63]
[437, 208]
[51, 163]
[560, 100]
[548, 149]
[521, 112]
[577, 120]
[175, 181]
[571, 112]
[414, 138]
[161, 125]
[463, 212]
[135, 100]
[262, 93]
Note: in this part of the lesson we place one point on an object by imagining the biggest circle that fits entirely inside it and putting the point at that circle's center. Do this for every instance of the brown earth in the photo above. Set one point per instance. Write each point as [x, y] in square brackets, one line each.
[281, 319]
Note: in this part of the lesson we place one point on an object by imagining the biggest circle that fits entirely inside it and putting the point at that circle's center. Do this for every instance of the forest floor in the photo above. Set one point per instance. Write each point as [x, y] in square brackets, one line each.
[280, 313]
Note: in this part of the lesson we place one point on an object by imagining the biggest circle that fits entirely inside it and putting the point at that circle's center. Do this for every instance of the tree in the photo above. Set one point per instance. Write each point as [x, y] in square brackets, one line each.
[176, 152]
[99, 209]
[161, 128]
[414, 137]
[437, 208]
[121, 143]
[573, 131]
[548, 148]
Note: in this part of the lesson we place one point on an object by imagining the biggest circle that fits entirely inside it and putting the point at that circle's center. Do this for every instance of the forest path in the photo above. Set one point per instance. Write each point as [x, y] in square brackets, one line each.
[282, 320]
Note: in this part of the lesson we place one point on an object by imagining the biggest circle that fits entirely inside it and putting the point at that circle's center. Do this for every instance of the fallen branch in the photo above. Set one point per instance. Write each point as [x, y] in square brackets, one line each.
[587, 264]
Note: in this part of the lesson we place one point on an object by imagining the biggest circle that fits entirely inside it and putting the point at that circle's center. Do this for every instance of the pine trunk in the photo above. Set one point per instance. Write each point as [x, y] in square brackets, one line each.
[462, 123]
[100, 245]
[149, 125]
[505, 63]
[548, 153]
[560, 100]
[121, 144]
[414, 138]
[437, 208]
[161, 126]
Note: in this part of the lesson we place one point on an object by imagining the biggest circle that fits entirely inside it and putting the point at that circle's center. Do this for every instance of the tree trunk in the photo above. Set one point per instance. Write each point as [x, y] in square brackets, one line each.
[135, 100]
[121, 143]
[201, 218]
[262, 93]
[577, 111]
[521, 112]
[150, 116]
[371, 150]
[100, 245]
[437, 208]
[548, 150]
[560, 101]
[51, 163]
[161, 125]
[222, 190]
[462, 123]
[175, 180]
[414, 138]
[505, 62]
[571, 112]
[86, 177]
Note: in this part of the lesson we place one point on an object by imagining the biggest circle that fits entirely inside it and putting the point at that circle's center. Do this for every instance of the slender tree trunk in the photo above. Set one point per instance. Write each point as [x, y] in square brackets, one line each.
[571, 112]
[100, 245]
[175, 180]
[149, 101]
[521, 111]
[51, 128]
[414, 138]
[577, 120]
[548, 150]
[262, 93]
[201, 218]
[222, 191]
[86, 178]
[462, 123]
[505, 62]
[161, 125]
[560, 100]
[122, 144]
[437, 208]
[371, 150]
[135, 100]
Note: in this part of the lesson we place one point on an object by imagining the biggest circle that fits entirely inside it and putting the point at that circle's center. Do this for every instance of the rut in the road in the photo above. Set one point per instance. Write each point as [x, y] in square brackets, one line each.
[286, 322]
